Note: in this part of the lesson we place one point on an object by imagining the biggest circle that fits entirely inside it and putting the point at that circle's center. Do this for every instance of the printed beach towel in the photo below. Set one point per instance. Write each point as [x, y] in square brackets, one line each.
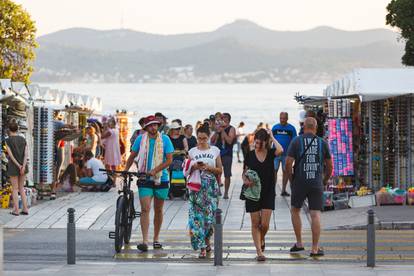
[157, 158]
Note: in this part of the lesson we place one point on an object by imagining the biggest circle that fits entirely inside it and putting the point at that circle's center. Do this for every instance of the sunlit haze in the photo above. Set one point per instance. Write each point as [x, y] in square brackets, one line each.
[188, 16]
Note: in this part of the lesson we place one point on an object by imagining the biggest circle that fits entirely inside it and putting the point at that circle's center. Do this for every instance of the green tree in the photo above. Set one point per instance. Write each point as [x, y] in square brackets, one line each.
[17, 42]
[401, 15]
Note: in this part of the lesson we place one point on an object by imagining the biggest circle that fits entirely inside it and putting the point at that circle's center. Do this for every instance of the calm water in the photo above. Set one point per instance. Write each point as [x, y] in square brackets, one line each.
[251, 103]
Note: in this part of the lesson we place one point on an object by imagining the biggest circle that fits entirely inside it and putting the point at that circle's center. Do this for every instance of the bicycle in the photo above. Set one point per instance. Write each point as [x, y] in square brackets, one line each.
[125, 210]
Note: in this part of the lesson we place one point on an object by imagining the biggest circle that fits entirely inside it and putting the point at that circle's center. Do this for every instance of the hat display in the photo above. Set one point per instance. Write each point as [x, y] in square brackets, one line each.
[151, 120]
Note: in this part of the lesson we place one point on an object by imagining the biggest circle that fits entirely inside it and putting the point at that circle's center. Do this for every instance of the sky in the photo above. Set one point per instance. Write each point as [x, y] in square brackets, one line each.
[189, 16]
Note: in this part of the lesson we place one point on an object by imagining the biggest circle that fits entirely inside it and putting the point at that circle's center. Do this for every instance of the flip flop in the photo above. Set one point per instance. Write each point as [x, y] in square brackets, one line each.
[14, 214]
[157, 245]
[202, 255]
[261, 258]
[142, 247]
[24, 213]
[320, 253]
[295, 248]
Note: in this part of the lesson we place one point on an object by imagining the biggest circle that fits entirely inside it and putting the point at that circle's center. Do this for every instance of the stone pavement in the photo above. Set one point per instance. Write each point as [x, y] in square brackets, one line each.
[339, 246]
[149, 269]
[96, 211]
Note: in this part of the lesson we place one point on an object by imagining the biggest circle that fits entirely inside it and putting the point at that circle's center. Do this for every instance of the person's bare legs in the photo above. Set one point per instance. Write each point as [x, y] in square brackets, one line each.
[256, 223]
[22, 180]
[226, 186]
[15, 192]
[316, 229]
[297, 225]
[284, 180]
[158, 217]
[144, 219]
[266, 214]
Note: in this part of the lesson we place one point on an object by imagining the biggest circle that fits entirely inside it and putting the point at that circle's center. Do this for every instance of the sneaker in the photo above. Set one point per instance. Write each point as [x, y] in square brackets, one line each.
[285, 194]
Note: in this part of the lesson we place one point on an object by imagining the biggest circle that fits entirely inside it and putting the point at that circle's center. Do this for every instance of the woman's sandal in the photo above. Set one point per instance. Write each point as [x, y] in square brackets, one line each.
[203, 254]
[261, 258]
[142, 247]
[14, 214]
[295, 248]
[157, 245]
[24, 213]
[320, 253]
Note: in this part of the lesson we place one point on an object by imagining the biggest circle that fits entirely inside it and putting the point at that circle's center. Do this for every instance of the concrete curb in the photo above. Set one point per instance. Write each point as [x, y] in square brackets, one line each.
[392, 225]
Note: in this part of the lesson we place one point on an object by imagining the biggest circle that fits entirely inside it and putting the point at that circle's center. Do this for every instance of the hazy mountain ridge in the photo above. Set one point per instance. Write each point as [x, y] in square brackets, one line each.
[237, 52]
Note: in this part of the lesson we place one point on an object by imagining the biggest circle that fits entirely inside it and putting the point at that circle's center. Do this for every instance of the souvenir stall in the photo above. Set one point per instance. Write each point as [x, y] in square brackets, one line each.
[383, 131]
[335, 116]
[15, 104]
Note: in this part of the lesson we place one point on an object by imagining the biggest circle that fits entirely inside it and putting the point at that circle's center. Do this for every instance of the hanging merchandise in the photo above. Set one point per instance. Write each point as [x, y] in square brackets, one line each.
[43, 145]
[340, 143]
[339, 108]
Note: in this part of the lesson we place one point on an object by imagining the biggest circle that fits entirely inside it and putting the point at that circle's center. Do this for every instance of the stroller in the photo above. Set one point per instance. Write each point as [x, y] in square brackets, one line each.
[178, 185]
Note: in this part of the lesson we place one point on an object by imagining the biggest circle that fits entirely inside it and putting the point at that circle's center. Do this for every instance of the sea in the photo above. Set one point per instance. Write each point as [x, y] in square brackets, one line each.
[250, 103]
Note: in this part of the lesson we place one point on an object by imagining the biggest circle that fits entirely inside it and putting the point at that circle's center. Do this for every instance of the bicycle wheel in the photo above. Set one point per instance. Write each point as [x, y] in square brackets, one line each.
[119, 226]
[130, 215]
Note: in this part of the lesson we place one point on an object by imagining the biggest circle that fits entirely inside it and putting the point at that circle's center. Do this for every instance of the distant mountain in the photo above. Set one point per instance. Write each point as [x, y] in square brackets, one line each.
[244, 31]
[237, 52]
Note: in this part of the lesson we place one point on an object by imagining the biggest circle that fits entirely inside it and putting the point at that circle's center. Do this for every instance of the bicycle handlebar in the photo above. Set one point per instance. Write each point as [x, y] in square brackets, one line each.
[138, 174]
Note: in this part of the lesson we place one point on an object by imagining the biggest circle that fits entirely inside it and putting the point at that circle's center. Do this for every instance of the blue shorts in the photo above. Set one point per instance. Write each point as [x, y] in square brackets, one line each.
[150, 192]
[148, 189]
[89, 181]
[278, 160]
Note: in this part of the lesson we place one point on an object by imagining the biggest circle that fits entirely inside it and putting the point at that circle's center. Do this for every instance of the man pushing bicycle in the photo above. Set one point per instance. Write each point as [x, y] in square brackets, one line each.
[153, 152]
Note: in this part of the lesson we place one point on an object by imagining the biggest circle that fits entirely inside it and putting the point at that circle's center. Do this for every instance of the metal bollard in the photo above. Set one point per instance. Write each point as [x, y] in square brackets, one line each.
[371, 239]
[71, 237]
[218, 239]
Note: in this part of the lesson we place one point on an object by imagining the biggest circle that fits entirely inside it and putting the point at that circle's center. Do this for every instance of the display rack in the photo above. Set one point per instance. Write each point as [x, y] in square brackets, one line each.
[43, 145]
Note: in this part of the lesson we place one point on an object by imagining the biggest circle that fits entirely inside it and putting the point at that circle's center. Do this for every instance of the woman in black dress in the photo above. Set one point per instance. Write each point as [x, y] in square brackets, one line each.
[17, 167]
[261, 160]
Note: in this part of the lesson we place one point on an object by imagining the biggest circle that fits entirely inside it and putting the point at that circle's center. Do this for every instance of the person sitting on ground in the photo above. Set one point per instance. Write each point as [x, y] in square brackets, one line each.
[92, 171]
[68, 180]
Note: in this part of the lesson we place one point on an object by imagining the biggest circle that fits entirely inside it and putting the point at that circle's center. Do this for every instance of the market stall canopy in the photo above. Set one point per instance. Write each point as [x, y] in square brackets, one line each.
[62, 99]
[373, 84]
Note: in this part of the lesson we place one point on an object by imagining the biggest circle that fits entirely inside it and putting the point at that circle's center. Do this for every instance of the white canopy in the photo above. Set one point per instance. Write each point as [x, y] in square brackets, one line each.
[373, 84]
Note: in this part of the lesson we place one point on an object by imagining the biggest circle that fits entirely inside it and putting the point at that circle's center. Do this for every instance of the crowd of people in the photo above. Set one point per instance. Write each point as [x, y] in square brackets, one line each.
[207, 159]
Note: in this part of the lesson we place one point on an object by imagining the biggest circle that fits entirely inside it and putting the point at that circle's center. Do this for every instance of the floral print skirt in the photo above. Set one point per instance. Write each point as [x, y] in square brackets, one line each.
[203, 205]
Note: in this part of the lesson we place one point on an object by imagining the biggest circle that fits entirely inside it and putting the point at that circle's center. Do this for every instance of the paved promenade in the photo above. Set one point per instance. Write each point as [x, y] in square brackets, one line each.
[149, 269]
[96, 211]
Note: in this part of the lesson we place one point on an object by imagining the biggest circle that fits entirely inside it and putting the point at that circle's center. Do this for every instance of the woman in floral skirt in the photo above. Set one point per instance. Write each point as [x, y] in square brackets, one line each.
[205, 159]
